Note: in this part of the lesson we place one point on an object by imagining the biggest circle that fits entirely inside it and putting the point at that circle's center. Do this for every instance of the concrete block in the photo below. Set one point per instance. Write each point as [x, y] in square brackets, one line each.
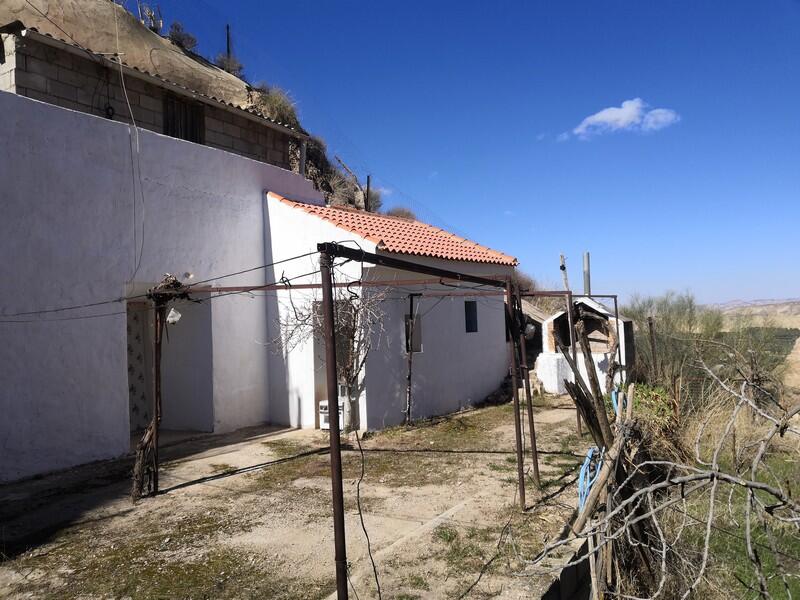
[32, 81]
[214, 124]
[11, 58]
[64, 59]
[136, 100]
[29, 48]
[7, 66]
[220, 140]
[146, 117]
[7, 82]
[40, 67]
[232, 130]
[280, 141]
[275, 157]
[72, 77]
[242, 146]
[64, 103]
[151, 103]
[223, 115]
[62, 90]
[87, 96]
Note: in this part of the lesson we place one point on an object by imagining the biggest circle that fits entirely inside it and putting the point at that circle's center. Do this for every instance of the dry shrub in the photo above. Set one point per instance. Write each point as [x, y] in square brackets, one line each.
[275, 103]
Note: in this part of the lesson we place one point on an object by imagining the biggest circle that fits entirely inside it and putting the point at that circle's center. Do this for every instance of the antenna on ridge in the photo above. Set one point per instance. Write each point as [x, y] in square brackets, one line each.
[151, 18]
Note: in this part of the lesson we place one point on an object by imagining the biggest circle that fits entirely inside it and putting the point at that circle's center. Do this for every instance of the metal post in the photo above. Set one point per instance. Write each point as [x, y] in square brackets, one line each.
[410, 350]
[515, 395]
[366, 196]
[303, 152]
[325, 263]
[528, 400]
[587, 277]
[651, 326]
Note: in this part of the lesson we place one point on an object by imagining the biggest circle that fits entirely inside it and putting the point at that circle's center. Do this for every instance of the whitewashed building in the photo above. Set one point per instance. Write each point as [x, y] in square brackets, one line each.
[95, 212]
[552, 368]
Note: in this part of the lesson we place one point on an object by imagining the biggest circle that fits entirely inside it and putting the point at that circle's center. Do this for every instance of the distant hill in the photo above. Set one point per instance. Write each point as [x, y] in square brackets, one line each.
[780, 313]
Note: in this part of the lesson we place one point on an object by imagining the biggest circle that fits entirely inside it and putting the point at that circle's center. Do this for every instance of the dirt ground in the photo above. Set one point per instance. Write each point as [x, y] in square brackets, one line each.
[249, 515]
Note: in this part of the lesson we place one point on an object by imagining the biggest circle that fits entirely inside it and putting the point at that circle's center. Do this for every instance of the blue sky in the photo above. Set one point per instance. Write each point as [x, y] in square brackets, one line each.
[460, 109]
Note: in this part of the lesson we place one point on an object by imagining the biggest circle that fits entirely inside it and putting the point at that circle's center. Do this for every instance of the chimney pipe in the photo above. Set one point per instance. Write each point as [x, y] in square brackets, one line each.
[587, 277]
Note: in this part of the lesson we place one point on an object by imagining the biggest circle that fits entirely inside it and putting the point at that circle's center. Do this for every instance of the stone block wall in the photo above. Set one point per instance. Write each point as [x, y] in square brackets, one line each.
[92, 86]
[9, 65]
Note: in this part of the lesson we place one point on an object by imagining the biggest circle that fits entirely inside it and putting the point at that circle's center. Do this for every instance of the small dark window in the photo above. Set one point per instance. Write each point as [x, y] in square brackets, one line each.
[414, 338]
[471, 315]
[184, 120]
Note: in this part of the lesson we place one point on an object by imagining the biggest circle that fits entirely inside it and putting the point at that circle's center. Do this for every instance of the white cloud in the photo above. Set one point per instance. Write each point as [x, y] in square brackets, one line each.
[562, 137]
[433, 175]
[540, 137]
[632, 115]
[385, 191]
[658, 118]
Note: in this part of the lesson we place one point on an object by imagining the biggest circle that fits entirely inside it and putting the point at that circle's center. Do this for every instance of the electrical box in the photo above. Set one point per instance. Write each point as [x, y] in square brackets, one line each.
[324, 417]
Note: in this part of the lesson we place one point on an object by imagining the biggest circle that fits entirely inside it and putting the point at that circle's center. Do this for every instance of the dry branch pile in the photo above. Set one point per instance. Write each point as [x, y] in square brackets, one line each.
[652, 512]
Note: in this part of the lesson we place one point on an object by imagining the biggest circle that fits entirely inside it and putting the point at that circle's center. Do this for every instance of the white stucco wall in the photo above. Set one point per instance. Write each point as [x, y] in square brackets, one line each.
[455, 369]
[67, 238]
[551, 369]
[292, 369]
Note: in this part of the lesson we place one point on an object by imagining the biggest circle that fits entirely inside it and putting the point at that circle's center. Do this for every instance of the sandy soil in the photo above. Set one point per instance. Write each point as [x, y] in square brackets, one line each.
[249, 516]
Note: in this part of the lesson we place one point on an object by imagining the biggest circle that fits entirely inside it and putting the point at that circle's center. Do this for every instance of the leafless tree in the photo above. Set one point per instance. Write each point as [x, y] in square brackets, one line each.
[358, 324]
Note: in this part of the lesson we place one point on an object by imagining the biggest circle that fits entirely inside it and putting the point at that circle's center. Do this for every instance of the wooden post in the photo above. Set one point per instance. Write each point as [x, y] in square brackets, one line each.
[340, 557]
[528, 399]
[571, 324]
[597, 394]
[652, 330]
[513, 335]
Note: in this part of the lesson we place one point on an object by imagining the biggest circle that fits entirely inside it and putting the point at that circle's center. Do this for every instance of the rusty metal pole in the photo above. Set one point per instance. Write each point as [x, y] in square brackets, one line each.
[515, 396]
[528, 399]
[325, 264]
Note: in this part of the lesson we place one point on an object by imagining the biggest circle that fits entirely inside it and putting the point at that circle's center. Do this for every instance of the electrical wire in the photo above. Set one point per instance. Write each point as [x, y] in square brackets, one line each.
[361, 517]
[250, 270]
[136, 171]
[138, 296]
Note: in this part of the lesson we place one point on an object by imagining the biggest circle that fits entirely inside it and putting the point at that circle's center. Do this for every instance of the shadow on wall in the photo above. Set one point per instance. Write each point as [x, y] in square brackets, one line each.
[187, 369]
[277, 367]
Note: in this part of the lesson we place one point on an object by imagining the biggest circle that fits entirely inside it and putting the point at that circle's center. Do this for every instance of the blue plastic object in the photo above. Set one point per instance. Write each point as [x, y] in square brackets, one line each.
[588, 474]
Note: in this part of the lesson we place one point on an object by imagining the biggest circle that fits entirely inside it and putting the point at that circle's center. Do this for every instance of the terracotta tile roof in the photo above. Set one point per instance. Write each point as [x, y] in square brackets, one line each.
[403, 236]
